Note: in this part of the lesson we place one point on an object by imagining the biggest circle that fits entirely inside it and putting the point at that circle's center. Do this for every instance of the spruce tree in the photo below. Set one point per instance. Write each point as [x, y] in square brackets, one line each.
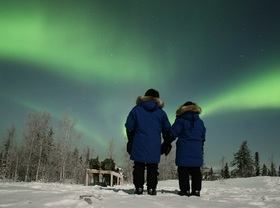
[6, 158]
[264, 170]
[272, 169]
[226, 171]
[257, 164]
[243, 161]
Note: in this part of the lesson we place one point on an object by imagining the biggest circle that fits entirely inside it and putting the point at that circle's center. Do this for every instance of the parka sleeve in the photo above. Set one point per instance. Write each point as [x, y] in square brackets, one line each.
[130, 121]
[177, 127]
[203, 135]
[165, 124]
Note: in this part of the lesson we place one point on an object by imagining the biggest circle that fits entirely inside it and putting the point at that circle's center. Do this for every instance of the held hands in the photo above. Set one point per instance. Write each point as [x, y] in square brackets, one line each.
[165, 148]
[166, 145]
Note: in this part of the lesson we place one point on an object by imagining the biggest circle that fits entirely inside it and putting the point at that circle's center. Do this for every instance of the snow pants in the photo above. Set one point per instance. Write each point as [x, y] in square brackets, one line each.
[139, 175]
[184, 174]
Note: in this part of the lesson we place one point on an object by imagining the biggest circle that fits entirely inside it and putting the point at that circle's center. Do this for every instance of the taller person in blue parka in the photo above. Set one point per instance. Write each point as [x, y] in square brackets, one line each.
[190, 131]
[145, 126]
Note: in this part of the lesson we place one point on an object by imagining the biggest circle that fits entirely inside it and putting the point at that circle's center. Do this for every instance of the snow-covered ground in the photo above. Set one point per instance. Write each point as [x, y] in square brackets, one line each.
[243, 192]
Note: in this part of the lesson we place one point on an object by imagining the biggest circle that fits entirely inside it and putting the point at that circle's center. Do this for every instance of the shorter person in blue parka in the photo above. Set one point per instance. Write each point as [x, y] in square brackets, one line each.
[190, 131]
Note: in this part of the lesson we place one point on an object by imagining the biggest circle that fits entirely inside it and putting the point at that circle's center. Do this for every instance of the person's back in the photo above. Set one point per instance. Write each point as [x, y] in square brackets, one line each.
[190, 131]
[147, 119]
[145, 125]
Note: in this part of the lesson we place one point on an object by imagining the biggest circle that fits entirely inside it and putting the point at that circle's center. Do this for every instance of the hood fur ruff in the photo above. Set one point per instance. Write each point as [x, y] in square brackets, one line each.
[193, 108]
[151, 98]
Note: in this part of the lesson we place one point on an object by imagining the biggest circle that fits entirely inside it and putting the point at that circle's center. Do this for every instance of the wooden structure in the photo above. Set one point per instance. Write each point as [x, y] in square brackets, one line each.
[104, 172]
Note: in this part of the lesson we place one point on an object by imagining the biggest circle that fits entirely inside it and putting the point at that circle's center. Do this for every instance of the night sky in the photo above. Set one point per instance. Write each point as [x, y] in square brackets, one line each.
[95, 57]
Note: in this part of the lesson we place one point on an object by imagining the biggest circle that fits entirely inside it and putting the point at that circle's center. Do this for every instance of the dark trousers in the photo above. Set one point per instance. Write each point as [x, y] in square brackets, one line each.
[139, 175]
[184, 174]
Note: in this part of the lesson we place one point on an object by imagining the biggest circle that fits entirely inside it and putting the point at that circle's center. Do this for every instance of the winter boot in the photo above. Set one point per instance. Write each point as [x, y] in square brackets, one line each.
[152, 191]
[138, 191]
[184, 193]
[195, 193]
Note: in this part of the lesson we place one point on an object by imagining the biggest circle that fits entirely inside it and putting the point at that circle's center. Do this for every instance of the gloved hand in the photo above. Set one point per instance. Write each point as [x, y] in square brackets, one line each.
[130, 135]
[165, 148]
[166, 145]
[129, 146]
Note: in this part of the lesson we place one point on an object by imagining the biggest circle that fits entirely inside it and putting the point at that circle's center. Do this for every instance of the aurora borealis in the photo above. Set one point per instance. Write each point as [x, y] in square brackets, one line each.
[95, 57]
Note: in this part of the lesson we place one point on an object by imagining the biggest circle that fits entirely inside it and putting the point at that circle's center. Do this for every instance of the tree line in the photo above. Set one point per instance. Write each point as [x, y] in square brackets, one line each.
[245, 165]
[46, 153]
[49, 153]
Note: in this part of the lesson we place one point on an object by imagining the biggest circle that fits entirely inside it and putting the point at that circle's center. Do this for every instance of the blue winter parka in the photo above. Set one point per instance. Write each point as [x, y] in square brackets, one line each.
[148, 121]
[190, 131]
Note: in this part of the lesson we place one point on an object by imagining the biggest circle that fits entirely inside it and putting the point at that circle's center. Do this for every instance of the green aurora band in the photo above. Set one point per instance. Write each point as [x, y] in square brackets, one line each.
[86, 46]
[83, 129]
[257, 92]
[79, 46]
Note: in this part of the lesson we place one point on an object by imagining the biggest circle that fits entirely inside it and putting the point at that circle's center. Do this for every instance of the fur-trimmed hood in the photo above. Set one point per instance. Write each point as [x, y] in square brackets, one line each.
[141, 99]
[192, 108]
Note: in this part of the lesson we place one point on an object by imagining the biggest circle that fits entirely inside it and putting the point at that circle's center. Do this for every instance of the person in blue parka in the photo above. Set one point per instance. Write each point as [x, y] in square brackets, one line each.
[190, 131]
[145, 126]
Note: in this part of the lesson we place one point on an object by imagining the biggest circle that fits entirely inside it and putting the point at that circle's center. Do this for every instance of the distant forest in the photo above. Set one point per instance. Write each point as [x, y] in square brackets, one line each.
[49, 153]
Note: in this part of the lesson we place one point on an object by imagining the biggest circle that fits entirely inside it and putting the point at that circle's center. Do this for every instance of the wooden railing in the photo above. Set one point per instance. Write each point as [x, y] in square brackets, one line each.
[104, 172]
